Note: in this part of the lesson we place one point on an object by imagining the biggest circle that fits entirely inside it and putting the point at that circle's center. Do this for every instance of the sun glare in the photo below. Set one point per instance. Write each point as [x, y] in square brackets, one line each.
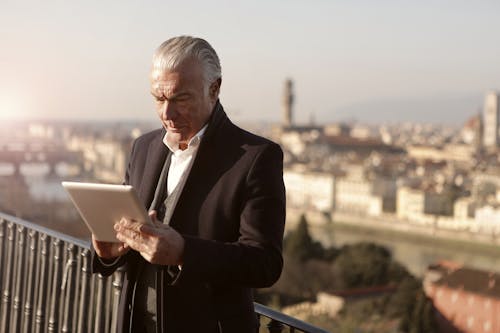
[12, 108]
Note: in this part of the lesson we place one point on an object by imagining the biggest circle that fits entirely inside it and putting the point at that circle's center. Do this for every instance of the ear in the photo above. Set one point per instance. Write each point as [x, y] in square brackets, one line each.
[215, 89]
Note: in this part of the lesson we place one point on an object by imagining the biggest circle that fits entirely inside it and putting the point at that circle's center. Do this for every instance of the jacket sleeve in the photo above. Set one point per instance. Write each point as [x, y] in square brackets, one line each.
[255, 259]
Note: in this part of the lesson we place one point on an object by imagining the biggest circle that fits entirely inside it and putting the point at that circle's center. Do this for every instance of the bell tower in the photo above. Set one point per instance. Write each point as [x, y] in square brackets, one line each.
[288, 103]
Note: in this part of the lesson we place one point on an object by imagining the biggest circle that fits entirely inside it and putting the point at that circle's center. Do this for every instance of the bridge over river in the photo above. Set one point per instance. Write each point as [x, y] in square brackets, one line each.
[49, 154]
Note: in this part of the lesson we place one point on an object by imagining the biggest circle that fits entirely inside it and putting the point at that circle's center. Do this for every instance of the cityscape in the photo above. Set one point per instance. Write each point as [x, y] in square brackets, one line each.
[429, 193]
[388, 114]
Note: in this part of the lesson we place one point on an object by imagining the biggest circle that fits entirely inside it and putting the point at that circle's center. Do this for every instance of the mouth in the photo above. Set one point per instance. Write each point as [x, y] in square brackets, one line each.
[174, 127]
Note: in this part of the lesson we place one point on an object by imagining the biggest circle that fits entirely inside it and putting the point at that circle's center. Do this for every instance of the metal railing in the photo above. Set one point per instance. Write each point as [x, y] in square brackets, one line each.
[47, 285]
[279, 321]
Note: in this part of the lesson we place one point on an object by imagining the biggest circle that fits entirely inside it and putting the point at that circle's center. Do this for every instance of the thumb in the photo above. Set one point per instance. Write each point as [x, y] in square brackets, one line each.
[153, 216]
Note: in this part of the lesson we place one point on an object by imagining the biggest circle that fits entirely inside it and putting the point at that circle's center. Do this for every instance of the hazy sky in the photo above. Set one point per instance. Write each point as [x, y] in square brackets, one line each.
[350, 60]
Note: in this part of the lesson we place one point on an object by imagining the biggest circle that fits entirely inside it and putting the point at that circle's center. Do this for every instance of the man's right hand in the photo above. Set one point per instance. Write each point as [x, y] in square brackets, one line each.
[109, 250]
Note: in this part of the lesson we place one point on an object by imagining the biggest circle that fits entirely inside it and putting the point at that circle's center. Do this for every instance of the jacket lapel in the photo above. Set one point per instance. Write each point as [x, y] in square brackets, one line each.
[157, 153]
[204, 153]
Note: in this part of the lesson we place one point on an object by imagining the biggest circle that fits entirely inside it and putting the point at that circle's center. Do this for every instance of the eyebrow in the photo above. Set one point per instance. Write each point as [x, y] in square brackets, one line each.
[174, 96]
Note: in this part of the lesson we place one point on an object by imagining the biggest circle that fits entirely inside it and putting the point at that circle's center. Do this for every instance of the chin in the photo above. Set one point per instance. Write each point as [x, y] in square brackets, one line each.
[174, 136]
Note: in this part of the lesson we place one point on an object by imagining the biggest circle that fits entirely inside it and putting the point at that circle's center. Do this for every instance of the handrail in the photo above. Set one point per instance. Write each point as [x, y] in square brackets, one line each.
[44, 230]
[46, 285]
[286, 320]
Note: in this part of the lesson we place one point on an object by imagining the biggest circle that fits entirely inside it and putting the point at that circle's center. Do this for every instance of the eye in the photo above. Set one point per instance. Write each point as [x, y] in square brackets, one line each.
[182, 100]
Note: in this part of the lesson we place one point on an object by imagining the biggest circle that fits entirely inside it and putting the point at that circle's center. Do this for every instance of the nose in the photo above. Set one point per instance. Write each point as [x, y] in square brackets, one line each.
[169, 112]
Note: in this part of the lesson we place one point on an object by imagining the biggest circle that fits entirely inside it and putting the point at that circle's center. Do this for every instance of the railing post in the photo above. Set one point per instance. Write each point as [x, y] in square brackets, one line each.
[100, 316]
[68, 289]
[2, 247]
[19, 280]
[30, 290]
[6, 295]
[83, 310]
[275, 326]
[92, 302]
[117, 288]
[42, 285]
[78, 285]
[56, 282]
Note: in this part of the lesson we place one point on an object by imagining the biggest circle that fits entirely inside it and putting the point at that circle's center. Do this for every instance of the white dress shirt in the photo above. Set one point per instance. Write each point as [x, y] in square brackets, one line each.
[180, 165]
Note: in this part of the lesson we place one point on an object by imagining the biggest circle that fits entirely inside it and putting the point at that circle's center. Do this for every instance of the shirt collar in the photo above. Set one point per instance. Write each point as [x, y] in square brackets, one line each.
[193, 142]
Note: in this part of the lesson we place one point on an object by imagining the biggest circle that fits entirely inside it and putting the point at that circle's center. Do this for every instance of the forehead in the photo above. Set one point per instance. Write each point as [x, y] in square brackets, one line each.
[188, 75]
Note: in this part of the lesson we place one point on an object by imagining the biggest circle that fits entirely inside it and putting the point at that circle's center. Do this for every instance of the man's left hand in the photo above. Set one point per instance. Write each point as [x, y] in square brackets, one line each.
[158, 243]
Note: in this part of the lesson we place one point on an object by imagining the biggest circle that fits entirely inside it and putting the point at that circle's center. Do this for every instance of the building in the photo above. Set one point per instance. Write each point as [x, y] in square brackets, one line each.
[464, 208]
[491, 113]
[466, 300]
[488, 218]
[472, 132]
[416, 203]
[359, 194]
[288, 98]
[306, 190]
[462, 153]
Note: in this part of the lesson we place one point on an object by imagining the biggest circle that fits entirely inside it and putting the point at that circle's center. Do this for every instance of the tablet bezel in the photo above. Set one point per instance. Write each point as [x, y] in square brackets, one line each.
[102, 205]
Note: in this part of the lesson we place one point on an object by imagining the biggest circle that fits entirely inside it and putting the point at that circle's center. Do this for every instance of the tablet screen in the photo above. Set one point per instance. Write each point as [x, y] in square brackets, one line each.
[102, 205]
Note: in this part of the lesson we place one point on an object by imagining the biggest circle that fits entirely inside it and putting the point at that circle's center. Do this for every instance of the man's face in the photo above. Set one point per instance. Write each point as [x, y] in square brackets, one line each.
[183, 102]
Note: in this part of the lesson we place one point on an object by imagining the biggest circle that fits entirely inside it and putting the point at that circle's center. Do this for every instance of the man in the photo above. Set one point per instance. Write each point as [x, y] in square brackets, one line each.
[216, 196]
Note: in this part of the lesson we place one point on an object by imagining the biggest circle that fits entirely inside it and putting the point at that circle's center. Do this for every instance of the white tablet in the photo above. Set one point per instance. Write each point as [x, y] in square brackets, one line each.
[102, 205]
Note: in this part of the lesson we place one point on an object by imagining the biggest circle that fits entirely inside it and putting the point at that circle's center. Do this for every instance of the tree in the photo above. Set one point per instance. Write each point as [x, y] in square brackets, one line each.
[299, 244]
[363, 265]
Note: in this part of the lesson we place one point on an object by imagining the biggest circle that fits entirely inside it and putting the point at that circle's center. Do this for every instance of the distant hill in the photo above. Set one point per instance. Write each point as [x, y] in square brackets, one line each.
[453, 110]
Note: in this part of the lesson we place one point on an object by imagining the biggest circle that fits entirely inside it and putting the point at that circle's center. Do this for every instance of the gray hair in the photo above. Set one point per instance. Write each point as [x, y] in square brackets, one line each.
[171, 53]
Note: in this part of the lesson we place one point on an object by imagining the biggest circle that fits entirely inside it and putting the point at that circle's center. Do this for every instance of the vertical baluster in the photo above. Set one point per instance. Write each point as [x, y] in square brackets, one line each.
[92, 302]
[258, 323]
[51, 265]
[42, 284]
[101, 297]
[36, 284]
[19, 280]
[69, 285]
[108, 306]
[30, 290]
[6, 294]
[275, 326]
[2, 247]
[76, 293]
[117, 289]
[84, 310]
[61, 292]
[56, 282]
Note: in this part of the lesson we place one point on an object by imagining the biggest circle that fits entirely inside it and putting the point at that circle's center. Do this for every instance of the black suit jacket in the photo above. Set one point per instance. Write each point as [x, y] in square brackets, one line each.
[231, 213]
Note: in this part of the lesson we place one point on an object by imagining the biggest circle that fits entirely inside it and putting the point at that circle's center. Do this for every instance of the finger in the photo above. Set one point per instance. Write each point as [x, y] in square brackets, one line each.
[130, 224]
[153, 215]
[136, 240]
[123, 248]
[131, 242]
[150, 230]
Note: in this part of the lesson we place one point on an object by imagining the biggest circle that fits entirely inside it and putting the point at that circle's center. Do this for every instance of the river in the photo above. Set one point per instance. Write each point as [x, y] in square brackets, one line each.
[416, 254]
